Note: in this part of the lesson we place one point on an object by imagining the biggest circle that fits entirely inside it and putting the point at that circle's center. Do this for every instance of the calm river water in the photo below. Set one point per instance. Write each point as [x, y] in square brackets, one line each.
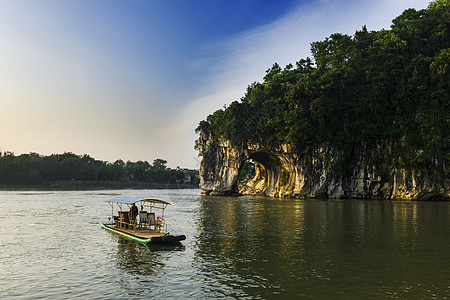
[52, 246]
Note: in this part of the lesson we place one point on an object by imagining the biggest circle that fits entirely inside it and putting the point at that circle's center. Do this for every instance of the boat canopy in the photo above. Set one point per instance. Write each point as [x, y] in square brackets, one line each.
[131, 200]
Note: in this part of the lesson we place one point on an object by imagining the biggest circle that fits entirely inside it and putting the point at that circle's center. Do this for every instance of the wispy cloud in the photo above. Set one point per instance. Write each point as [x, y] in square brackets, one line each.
[77, 79]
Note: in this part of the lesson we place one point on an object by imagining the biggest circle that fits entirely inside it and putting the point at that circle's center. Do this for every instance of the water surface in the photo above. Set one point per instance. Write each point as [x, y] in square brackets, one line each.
[52, 246]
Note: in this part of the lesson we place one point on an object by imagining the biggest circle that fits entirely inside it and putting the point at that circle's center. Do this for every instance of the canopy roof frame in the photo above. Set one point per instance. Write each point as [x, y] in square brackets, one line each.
[146, 202]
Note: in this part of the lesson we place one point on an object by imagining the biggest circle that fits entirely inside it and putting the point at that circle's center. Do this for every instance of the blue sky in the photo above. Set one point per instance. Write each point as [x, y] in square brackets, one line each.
[131, 79]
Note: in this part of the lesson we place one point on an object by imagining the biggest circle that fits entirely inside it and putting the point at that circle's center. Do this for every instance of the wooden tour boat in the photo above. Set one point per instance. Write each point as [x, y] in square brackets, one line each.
[143, 225]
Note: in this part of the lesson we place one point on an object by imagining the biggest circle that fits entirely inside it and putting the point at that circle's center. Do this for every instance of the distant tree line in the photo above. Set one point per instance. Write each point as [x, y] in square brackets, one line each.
[35, 169]
[373, 88]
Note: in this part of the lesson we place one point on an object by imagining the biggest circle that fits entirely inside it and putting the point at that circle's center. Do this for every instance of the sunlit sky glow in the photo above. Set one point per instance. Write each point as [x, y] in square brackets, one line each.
[131, 80]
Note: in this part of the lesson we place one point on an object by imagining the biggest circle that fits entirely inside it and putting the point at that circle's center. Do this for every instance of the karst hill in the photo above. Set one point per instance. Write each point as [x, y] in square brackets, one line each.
[368, 116]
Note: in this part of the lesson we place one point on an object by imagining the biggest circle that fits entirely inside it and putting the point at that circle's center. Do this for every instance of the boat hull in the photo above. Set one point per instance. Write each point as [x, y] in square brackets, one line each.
[156, 238]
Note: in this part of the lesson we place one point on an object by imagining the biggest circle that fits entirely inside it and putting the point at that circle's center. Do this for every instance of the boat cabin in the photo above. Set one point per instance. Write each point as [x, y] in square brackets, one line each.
[148, 213]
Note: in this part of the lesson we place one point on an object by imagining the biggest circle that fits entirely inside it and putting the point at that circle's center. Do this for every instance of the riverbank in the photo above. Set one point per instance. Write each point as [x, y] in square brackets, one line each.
[99, 185]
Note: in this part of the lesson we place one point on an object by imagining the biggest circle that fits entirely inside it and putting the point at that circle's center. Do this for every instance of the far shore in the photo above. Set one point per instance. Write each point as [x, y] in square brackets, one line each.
[99, 185]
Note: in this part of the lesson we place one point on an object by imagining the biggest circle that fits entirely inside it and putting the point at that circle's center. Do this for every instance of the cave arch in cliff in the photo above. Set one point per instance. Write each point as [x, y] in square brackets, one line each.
[265, 174]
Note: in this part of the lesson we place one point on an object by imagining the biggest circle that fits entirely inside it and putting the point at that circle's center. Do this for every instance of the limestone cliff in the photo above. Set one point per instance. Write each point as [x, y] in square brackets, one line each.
[316, 173]
[367, 116]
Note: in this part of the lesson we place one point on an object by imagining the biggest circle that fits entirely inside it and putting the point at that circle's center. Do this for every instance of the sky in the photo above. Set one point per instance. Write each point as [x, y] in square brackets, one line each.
[131, 79]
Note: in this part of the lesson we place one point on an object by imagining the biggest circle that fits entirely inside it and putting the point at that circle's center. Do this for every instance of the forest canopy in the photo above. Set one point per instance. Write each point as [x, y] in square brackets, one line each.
[35, 169]
[375, 87]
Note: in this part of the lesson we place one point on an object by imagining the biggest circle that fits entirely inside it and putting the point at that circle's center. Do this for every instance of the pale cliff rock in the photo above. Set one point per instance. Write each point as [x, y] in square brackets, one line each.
[316, 173]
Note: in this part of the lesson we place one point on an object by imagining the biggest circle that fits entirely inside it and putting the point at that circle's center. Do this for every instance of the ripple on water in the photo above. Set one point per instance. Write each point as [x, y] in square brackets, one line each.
[52, 246]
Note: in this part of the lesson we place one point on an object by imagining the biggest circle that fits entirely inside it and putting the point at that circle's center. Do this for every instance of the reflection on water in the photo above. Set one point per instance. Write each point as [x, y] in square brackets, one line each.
[52, 246]
[135, 259]
[141, 266]
[138, 259]
[248, 245]
[265, 247]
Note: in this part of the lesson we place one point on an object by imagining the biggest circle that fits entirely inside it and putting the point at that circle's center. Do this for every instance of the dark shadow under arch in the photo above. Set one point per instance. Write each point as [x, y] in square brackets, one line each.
[266, 174]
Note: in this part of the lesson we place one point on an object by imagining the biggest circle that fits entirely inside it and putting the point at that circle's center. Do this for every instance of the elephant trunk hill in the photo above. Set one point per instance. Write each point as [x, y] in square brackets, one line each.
[367, 117]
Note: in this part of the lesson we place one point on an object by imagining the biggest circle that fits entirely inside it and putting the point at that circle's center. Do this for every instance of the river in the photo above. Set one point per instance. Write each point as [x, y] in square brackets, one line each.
[52, 246]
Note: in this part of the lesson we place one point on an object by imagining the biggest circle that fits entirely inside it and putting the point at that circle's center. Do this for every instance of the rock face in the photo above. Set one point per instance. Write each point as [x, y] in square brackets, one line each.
[317, 173]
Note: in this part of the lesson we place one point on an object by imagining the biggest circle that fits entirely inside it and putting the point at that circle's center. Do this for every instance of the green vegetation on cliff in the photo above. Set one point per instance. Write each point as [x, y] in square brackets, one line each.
[387, 87]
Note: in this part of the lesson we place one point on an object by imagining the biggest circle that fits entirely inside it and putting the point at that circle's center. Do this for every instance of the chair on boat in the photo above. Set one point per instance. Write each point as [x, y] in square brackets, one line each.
[151, 220]
[123, 219]
[143, 220]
